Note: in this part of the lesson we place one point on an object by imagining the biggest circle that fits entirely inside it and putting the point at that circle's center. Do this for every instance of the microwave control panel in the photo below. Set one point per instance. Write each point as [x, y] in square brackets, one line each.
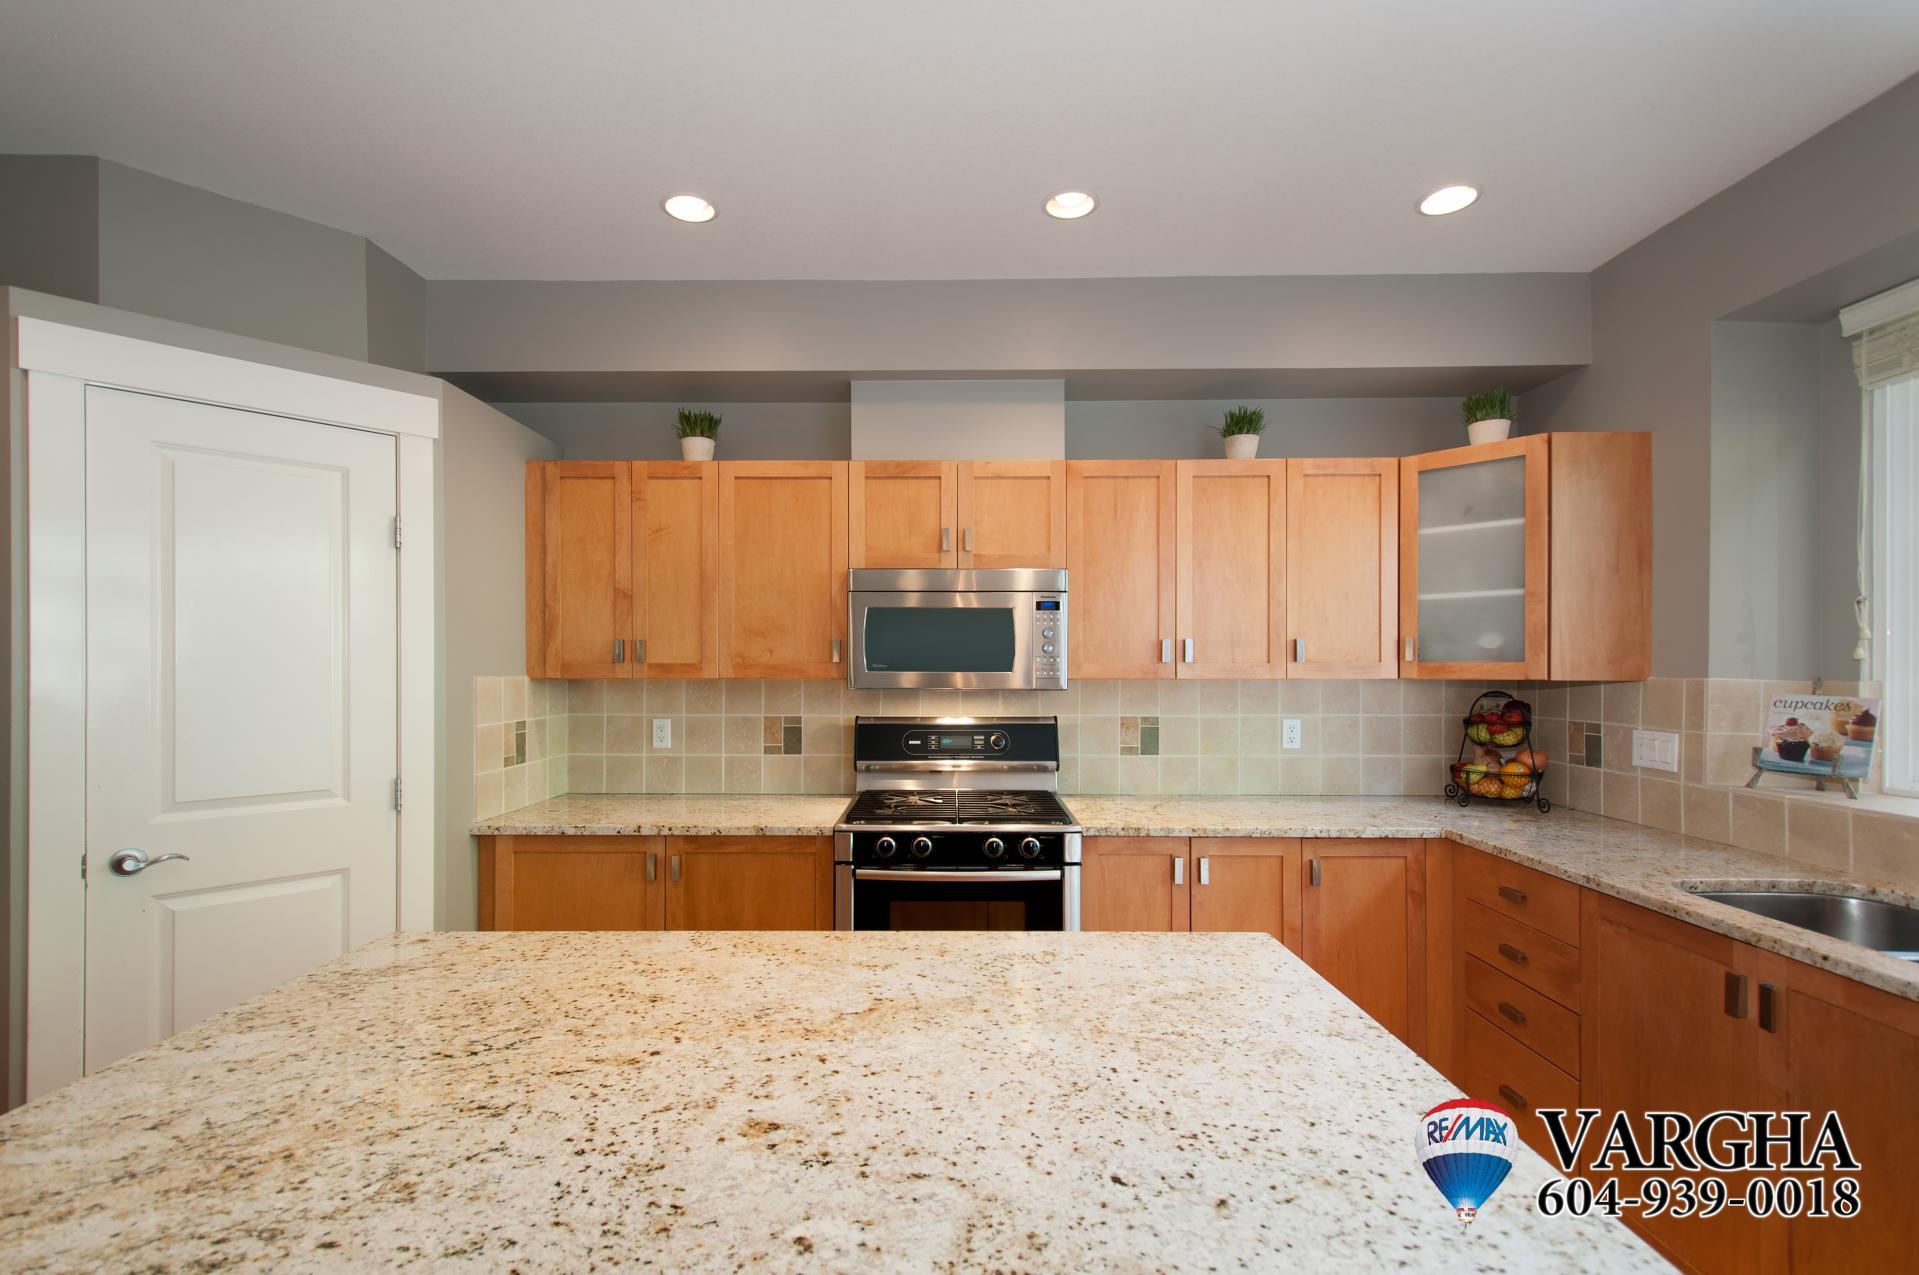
[1049, 643]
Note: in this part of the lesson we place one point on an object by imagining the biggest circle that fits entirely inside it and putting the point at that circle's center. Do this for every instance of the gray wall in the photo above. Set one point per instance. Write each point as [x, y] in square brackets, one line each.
[1011, 326]
[644, 431]
[49, 207]
[1846, 194]
[395, 311]
[482, 602]
[959, 420]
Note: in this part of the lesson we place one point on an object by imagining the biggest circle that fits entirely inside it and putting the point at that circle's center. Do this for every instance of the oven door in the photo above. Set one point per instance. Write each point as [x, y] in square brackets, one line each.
[954, 641]
[929, 899]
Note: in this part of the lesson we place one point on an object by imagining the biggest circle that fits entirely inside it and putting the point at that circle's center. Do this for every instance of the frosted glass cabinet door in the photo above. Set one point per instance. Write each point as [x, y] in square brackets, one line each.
[1473, 549]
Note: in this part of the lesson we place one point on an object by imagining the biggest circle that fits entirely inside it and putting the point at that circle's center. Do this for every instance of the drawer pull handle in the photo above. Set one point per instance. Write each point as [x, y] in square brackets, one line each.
[1513, 1012]
[1512, 954]
[1516, 1098]
[1516, 896]
[1314, 873]
[652, 866]
[1735, 995]
[1768, 1011]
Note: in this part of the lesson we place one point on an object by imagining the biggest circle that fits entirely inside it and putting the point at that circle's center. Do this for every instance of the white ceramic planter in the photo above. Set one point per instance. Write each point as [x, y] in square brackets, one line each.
[1242, 446]
[693, 448]
[1489, 431]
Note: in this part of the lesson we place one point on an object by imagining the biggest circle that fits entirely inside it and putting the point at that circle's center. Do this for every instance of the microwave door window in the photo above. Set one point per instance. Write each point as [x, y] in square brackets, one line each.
[939, 639]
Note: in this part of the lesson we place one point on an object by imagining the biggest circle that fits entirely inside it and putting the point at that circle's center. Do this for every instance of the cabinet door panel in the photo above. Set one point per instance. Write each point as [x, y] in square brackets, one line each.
[1012, 513]
[1120, 553]
[1601, 576]
[1364, 927]
[1658, 1036]
[1247, 885]
[902, 513]
[1342, 568]
[782, 568]
[1136, 884]
[579, 568]
[570, 883]
[1230, 567]
[749, 883]
[676, 554]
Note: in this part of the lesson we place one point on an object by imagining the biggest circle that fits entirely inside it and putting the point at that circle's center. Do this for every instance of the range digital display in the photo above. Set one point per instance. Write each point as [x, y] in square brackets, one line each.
[1047, 604]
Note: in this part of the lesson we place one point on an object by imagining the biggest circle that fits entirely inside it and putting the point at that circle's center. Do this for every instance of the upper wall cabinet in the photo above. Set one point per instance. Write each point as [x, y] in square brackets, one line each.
[1011, 513]
[579, 568]
[1342, 567]
[783, 528]
[1120, 540]
[1230, 568]
[622, 565]
[902, 513]
[1527, 559]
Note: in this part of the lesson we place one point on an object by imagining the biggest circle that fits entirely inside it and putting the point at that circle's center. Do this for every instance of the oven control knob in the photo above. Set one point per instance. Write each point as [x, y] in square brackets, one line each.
[922, 846]
[1046, 648]
[1029, 848]
[886, 847]
[994, 848]
[996, 740]
[1046, 633]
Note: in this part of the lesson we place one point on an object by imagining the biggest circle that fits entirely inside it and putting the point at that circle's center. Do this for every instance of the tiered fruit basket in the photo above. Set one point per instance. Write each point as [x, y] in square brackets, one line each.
[1497, 761]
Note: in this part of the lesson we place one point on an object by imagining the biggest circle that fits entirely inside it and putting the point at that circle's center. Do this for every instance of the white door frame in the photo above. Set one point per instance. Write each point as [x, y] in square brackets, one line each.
[60, 361]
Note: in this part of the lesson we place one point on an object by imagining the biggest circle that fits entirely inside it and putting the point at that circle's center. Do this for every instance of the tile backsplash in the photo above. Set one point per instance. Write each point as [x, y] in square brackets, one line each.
[537, 739]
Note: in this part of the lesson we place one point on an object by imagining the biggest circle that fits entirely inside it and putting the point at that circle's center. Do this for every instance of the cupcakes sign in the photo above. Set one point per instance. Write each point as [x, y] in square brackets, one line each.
[1820, 735]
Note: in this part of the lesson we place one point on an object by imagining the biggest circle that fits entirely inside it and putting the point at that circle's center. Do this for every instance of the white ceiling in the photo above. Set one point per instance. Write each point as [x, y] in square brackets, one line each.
[906, 139]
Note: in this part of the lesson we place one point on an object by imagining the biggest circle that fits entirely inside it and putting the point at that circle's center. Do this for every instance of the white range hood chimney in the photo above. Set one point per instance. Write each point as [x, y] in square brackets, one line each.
[959, 420]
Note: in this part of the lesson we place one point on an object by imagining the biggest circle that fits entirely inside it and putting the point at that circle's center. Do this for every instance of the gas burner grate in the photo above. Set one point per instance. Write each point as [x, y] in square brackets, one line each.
[1011, 807]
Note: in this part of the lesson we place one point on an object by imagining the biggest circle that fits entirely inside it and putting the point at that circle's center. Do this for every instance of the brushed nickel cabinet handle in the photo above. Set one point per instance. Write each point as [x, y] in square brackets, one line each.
[1512, 1011]
[1179, 869]
[1189, 650]
[1513, 1096]
[1768, 1010]
[1512, 954]
[673, 868]
[1205, 877]
[1412, 651]
[639, 651]
[836, 650]
[1166, 650]
[1313, 873]
[946, 539]
[619, 650]
[1515, 896]
[967, 543]
[652, 866]
[1735, 995]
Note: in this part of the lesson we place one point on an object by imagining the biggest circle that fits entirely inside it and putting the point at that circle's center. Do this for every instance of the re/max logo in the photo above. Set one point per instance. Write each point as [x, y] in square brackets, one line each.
[1720, 1142]
[1482, 1128]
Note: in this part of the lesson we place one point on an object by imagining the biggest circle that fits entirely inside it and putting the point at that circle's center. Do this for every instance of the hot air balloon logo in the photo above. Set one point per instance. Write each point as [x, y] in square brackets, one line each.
[1466, 1148]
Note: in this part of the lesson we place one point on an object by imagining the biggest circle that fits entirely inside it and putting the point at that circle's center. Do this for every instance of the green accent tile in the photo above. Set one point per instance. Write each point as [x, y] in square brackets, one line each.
[1149, 738]
[791, 733]
[1129, 750]
[1594, 756]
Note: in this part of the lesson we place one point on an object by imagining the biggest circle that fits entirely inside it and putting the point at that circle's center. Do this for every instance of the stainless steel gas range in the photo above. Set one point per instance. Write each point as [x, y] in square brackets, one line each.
[957, 825]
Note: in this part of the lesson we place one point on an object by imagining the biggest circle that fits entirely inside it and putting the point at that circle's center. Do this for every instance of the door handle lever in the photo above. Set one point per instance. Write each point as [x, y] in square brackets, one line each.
[131, 863]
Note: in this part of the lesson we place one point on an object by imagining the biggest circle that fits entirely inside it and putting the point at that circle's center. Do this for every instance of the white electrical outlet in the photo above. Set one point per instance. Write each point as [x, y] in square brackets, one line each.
[1292, 738]
[1655, 749]
[662, 732]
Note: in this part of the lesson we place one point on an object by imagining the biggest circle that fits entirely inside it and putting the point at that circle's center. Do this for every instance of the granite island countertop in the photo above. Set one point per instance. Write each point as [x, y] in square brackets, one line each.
[1640, 864]
[1010, 1101]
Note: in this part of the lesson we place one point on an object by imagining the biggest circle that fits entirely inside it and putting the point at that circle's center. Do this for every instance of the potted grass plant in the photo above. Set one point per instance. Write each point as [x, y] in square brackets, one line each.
[697, 431]
[1241, 429]
[1489, 416]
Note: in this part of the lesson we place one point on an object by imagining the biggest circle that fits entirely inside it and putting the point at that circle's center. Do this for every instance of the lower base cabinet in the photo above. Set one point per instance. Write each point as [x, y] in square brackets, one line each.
[1363, 926]
[656, 883]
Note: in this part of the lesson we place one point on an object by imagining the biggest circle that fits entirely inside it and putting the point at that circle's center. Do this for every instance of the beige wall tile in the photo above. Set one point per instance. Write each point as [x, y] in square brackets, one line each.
[1662, 704]
[823, 699]
[1728, 758]
[1218, 697]
[1695, 718]
[1219, 774]
[1139, 776]
[627, 735]
[1302, 697]
[1735, 706]
[1259, 774]
[1886, 848]
[556, 777]
[1099, 774]
[1179, 736]
[1620, 703]
[706, 736]
[1099, 736]
[628, 696]
[1340, 776]
[1617, 743]
[1299, 775]
[1179, 775]
[489, 795]
[1708, 813]
[514, 795]
[586, 773]
[1181, 697]
[514, 695]
[1379, 736]
[826, 774]
[586, 697]
[744, 736]
[1259, 736]
[1102, 697]
[706, 698]
[1758, 822]
[1139, 698]
[1692, 757]
[1423, 736]
[1547, 699]
[1661, 805]
[1379, 697]
[1418, 697]
[1583, 789]
[626, 774]
[705, 774]
[1423, 776]
[585, 734]
[489, 748]
[1258, 698]
[1556, 784]
[785, 774]
[1219, 737]
[744, 774]
[1585, 702]
[784, 697]
[488, 700]
[1619, 795]
[666, 697]
[743, 696]
[665, 774]
[1381, 776]
[1819, 833]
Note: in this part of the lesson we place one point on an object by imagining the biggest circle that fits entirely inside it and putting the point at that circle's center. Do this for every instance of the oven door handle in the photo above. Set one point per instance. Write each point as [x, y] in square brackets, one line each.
[933, 874]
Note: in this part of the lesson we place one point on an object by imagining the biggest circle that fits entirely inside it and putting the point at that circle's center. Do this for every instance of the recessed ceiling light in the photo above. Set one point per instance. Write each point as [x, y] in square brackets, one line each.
[1448, 199]
[689, 208]
[1070, 204]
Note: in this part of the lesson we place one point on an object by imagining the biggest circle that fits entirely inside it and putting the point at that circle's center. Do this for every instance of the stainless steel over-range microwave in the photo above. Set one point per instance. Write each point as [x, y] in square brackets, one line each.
[957, 630]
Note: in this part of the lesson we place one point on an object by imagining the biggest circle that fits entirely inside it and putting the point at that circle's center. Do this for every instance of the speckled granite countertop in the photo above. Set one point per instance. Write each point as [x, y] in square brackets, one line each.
[567, 1102]
[1639, 864]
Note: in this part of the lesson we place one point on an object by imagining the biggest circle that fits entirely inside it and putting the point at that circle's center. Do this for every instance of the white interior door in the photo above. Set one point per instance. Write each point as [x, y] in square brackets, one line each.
[242, 657]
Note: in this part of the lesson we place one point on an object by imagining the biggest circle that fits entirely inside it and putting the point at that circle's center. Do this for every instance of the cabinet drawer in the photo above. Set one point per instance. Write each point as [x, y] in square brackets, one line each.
[1502, 1071]
[1533, 1018]
[1544, 902]
[1536, 959]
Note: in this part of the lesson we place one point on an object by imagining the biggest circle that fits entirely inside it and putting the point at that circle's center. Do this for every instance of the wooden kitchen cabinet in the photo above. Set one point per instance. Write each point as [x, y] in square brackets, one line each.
[1140, 884]
[1011, 513]
[570, 883]
[1120, 552]
[579, 568]
[1247, 885]
[1342, 568]
[676, 567]
[902, 513]
[1528, 558]
[782, 551]
[1229, 568]
[1363, 926]
[749, 883]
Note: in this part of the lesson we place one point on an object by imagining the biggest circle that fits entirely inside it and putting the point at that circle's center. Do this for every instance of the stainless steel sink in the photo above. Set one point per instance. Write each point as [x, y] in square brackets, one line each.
[1884, 927]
